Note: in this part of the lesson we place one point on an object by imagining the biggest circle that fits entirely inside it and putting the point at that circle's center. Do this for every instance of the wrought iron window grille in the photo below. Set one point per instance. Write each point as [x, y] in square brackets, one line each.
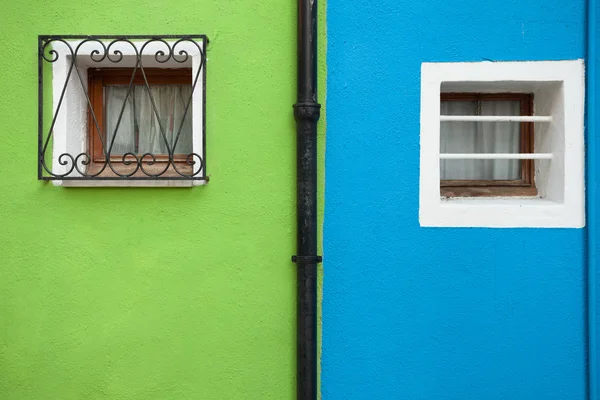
[74, 160]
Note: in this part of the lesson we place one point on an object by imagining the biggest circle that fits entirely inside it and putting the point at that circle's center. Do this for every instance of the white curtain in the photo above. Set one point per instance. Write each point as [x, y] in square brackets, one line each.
[480, 137]
[139, 131]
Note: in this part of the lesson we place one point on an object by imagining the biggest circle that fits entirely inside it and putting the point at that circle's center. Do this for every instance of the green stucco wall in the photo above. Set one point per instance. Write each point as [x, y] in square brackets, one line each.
[143, 293]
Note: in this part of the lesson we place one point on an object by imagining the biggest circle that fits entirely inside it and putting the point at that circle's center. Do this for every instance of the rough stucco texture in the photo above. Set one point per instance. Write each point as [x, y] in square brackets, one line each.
[415, 313]
[155, 293]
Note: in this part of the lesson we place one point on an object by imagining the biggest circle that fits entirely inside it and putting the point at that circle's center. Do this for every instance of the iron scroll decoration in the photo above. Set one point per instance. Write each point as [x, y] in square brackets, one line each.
[108, 50]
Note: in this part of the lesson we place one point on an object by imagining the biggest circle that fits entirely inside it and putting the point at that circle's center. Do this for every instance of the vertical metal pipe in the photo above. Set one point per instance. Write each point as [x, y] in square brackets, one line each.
[306, 113]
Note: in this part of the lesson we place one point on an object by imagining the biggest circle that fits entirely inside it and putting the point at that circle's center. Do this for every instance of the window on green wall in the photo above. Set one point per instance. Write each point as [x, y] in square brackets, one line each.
[125, 111]
[133, 119]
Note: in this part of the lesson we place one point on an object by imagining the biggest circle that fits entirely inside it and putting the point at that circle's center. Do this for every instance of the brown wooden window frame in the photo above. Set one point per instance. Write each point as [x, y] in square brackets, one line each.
[98, 78]
[525, 186]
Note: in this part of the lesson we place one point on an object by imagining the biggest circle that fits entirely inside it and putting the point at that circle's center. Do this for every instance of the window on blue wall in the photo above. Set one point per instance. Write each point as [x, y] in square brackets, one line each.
[481, 138]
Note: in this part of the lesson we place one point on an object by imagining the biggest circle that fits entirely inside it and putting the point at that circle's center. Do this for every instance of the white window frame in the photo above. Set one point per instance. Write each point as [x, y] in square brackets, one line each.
[70, 129]
[558, 88]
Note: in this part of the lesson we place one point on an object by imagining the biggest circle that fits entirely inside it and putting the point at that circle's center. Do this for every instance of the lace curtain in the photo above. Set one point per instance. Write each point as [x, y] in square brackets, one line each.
[480, 137]
[139, 130]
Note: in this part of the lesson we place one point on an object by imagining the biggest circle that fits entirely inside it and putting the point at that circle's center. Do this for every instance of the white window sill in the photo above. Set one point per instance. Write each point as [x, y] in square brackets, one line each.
[501, 212]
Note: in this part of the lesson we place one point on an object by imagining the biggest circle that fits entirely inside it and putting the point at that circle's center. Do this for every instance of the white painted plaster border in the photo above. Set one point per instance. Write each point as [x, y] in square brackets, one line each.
[559, 89]
[70, 130]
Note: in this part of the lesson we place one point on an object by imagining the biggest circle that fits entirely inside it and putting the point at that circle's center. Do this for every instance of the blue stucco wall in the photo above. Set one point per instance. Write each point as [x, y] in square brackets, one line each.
[437, 313]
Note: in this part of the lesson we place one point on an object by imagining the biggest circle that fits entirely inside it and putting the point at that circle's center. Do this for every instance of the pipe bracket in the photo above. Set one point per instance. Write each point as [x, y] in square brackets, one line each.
[307, 259]
[307, 111]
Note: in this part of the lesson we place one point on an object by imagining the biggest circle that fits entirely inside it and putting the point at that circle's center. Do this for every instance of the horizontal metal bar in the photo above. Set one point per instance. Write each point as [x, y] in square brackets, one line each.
[130, 179]
[494, 118]
[496, 156]
[196, 36]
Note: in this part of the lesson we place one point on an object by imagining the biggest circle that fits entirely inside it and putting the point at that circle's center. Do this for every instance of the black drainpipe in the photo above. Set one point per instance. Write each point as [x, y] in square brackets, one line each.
[306, 113]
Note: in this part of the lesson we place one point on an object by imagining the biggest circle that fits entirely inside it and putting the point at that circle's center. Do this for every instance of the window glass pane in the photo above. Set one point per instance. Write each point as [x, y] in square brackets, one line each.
[480, 137]
[139, 130]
